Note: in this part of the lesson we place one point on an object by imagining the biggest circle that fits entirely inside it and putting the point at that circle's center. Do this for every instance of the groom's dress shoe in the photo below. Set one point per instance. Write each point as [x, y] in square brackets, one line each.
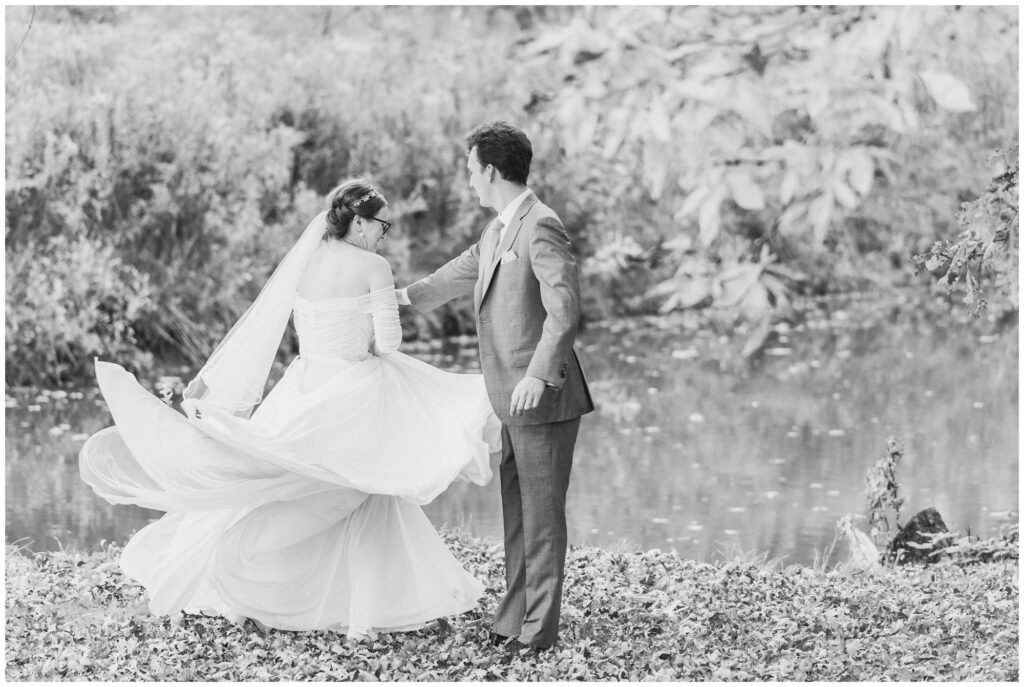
[496, 639]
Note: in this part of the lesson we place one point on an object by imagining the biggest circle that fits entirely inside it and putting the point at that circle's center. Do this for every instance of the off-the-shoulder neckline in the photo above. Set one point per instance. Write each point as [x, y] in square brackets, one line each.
[342, 299]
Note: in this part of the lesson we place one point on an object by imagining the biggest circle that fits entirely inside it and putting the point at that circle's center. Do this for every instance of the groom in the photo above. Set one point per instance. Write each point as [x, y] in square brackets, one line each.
[526, 294]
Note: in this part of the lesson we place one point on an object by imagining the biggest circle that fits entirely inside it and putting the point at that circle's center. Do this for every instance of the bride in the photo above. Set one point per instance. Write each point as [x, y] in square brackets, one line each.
[304, 514]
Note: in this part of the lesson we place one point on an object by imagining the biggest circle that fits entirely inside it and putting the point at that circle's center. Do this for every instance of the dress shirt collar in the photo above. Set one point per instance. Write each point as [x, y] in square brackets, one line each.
[510, 209]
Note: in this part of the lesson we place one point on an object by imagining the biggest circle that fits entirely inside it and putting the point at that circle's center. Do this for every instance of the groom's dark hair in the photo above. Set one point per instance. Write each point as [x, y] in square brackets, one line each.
[504, 146]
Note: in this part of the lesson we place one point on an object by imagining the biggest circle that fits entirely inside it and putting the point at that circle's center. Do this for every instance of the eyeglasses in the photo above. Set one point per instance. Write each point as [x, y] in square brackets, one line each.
[387, 225]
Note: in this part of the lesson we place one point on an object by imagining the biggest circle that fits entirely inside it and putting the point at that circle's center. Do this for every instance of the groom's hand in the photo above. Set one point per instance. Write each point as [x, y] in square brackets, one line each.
[526, 395]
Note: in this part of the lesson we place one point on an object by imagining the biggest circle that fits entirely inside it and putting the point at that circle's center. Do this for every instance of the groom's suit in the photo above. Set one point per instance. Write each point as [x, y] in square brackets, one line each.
[526, 297]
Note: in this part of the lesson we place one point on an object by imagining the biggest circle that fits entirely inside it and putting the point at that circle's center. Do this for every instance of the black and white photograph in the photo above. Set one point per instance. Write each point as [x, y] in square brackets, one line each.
[515, 343]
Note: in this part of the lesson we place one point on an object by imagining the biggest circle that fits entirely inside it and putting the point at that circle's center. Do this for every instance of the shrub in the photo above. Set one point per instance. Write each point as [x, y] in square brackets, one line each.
[196, 142]
[989, 245]
[67, 301]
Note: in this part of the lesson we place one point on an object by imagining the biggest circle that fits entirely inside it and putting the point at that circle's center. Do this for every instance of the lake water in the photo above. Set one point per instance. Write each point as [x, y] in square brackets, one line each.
[693, 448]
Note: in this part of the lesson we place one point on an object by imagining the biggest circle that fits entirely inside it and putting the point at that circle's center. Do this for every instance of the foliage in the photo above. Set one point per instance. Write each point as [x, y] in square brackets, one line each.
[967, 549]
[883, 489]
[68, 301]
[201, 140]
[791, 128]
[883, 497]
[626, 616]
[698, 155]
[989, 242]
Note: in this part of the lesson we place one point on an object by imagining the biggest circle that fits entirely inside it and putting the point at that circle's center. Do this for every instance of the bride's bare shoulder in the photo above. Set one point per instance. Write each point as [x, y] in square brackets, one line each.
[344, 273]
[377, 263]
[379, 272]
[364, 261]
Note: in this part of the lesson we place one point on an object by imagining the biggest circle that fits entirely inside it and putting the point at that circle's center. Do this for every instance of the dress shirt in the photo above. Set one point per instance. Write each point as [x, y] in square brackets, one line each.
[505, 216]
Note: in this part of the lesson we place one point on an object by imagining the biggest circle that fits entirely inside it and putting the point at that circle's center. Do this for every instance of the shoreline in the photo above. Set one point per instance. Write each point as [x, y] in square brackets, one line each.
[625, 616]
[802, 307]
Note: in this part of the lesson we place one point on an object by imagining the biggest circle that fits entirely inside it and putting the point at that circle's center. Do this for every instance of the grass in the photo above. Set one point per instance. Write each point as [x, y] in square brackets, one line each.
[625, 616]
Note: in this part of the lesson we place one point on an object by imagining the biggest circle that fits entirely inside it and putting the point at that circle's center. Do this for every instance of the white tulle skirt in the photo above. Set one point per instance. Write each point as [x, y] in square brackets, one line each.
[306, 515]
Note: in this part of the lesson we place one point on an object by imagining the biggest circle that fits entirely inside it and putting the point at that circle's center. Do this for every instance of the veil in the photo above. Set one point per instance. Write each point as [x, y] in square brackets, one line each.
[234, 376]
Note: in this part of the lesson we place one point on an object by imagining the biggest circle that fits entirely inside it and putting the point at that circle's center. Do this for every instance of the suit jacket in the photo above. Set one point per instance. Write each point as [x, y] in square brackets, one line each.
[526, 295]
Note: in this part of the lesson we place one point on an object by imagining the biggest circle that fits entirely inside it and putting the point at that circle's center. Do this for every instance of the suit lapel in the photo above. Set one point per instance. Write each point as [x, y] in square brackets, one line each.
[510, 236]
[489, 245]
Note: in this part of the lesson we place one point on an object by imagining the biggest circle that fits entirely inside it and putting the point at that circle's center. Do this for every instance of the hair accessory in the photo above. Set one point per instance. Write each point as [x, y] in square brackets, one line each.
[365, 198]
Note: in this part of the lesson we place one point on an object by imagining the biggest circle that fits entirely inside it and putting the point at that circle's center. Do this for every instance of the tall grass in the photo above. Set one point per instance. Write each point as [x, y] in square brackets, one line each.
[161, 160]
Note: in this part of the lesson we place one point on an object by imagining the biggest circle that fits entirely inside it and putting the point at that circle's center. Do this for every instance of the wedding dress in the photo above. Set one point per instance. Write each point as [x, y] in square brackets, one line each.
[305, 515]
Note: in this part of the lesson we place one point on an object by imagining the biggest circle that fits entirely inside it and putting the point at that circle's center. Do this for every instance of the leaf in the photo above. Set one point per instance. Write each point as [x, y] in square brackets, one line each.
[844, 194]
[545, 42]
[656, 167]
[792, 219]
[820, 215]
[737, 282]
[680, 243]
[755, 305]
[974, 297]
[745, 190]
[618, 128]
[757, 337]
[687, 293]
[778, 290]
[861, 169]
[888, 112]
[948, 91]
[747, 100]
[661, 127]
[909, 111]
[710, 218]
[694, 117]
[790, 184]
[692, 202]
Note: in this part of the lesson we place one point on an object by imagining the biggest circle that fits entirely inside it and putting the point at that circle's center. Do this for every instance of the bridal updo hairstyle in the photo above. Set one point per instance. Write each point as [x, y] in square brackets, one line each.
[352, 197]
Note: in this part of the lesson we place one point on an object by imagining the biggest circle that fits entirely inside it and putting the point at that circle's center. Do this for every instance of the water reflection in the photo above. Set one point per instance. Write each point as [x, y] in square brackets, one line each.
[691, 448]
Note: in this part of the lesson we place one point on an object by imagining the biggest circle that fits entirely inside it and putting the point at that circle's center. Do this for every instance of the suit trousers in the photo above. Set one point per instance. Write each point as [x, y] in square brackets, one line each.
[535, 465]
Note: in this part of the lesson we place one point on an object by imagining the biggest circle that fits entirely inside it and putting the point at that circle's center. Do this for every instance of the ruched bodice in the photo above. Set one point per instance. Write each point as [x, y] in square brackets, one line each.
[348, 328]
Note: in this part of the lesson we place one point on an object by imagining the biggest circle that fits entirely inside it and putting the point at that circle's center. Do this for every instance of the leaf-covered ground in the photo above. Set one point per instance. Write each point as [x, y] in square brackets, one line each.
[626, 616]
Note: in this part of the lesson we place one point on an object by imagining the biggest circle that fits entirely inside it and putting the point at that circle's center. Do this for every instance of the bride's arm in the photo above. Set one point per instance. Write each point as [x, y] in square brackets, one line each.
[387, 329]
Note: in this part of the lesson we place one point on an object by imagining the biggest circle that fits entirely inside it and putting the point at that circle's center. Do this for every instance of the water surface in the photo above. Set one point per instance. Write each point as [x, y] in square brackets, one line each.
[692, 448]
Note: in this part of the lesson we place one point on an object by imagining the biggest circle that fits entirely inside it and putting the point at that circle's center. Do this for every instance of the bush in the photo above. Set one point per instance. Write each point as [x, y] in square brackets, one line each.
[989, 245]
[67, 302]
[195, 143]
